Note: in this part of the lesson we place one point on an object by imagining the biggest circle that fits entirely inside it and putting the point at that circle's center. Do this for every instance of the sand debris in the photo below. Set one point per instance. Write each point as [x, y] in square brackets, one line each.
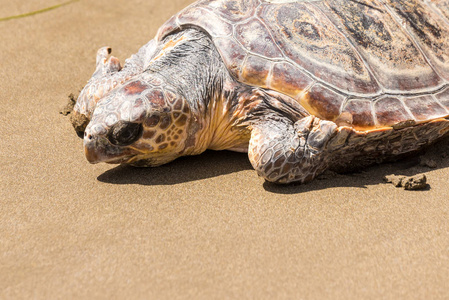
[417, 182]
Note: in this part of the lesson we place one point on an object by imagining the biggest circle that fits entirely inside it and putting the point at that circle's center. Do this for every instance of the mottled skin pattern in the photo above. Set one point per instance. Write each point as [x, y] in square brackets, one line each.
[301, 86]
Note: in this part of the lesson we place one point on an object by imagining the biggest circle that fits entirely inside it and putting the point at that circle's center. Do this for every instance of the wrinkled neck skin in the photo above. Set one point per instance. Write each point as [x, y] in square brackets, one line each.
[223, 109]
[195, 69]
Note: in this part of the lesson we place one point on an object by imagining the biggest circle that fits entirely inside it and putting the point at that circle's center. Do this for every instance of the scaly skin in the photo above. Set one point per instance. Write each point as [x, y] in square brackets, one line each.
[183, 101]
[144, 103]
[282, 151]
[239, 75]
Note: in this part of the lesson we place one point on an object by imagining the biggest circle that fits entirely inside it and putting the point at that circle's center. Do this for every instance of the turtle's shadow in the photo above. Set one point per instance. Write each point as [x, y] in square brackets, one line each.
[434, 157]
[370, 176]
[184, 169]
[216, 163]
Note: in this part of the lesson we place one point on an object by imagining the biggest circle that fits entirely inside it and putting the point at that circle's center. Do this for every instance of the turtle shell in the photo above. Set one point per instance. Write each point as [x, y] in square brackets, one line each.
[366, 63]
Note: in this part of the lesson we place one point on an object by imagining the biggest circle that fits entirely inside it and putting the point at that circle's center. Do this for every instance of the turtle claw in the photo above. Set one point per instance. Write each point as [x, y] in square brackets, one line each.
[102, 55]
[113, 65]
[105, 63]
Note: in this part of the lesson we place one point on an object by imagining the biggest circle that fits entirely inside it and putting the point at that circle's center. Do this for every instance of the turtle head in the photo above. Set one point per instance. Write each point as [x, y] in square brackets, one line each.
[140, 123]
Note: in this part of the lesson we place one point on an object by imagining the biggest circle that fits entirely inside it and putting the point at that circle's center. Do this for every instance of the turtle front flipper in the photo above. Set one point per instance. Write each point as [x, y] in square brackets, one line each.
[282, 151]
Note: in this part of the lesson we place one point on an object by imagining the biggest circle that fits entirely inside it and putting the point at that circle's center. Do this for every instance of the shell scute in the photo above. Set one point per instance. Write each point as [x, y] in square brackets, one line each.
[288, 78]
[169, 26]
[234, 10]
[425, 107]
[426, 26]
[323, 102]
[361, 114]
[232, 54]
[443, 97]
[390, 111]
[255, 71]
[204, 18]
[441, 6]
[255, 37]
[309, 39]
[395, 61]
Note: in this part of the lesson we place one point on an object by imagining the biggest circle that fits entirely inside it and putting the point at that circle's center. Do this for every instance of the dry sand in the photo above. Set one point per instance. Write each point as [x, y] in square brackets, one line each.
[202, 227]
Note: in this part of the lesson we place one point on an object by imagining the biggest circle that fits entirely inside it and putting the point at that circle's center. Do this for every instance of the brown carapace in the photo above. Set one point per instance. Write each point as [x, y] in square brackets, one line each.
[302, 86]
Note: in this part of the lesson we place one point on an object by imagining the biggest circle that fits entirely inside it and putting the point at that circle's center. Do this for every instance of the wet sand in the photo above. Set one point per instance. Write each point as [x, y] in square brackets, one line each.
[202, 227]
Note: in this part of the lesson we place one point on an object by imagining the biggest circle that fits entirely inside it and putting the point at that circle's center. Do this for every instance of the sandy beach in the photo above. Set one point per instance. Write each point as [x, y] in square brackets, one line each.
[203, 227]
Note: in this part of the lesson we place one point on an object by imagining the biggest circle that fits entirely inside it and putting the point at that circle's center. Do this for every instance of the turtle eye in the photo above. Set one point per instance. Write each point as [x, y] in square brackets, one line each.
[125, 133]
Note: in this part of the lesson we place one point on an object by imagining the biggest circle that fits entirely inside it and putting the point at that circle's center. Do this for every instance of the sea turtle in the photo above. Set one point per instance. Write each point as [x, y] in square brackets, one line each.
[301, 86]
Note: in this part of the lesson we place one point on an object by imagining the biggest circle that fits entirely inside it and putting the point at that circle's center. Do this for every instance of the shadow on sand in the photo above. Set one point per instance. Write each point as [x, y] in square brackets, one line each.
[185, 169]
[216, 163]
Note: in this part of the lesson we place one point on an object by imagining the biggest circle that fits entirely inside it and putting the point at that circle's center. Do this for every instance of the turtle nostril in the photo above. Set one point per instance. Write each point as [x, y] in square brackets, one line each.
[88, 136]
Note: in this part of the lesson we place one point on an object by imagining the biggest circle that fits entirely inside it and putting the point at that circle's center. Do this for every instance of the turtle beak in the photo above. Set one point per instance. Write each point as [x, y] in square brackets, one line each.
[96, 153]
[98, 149]
[91, 154]
[93, 149]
